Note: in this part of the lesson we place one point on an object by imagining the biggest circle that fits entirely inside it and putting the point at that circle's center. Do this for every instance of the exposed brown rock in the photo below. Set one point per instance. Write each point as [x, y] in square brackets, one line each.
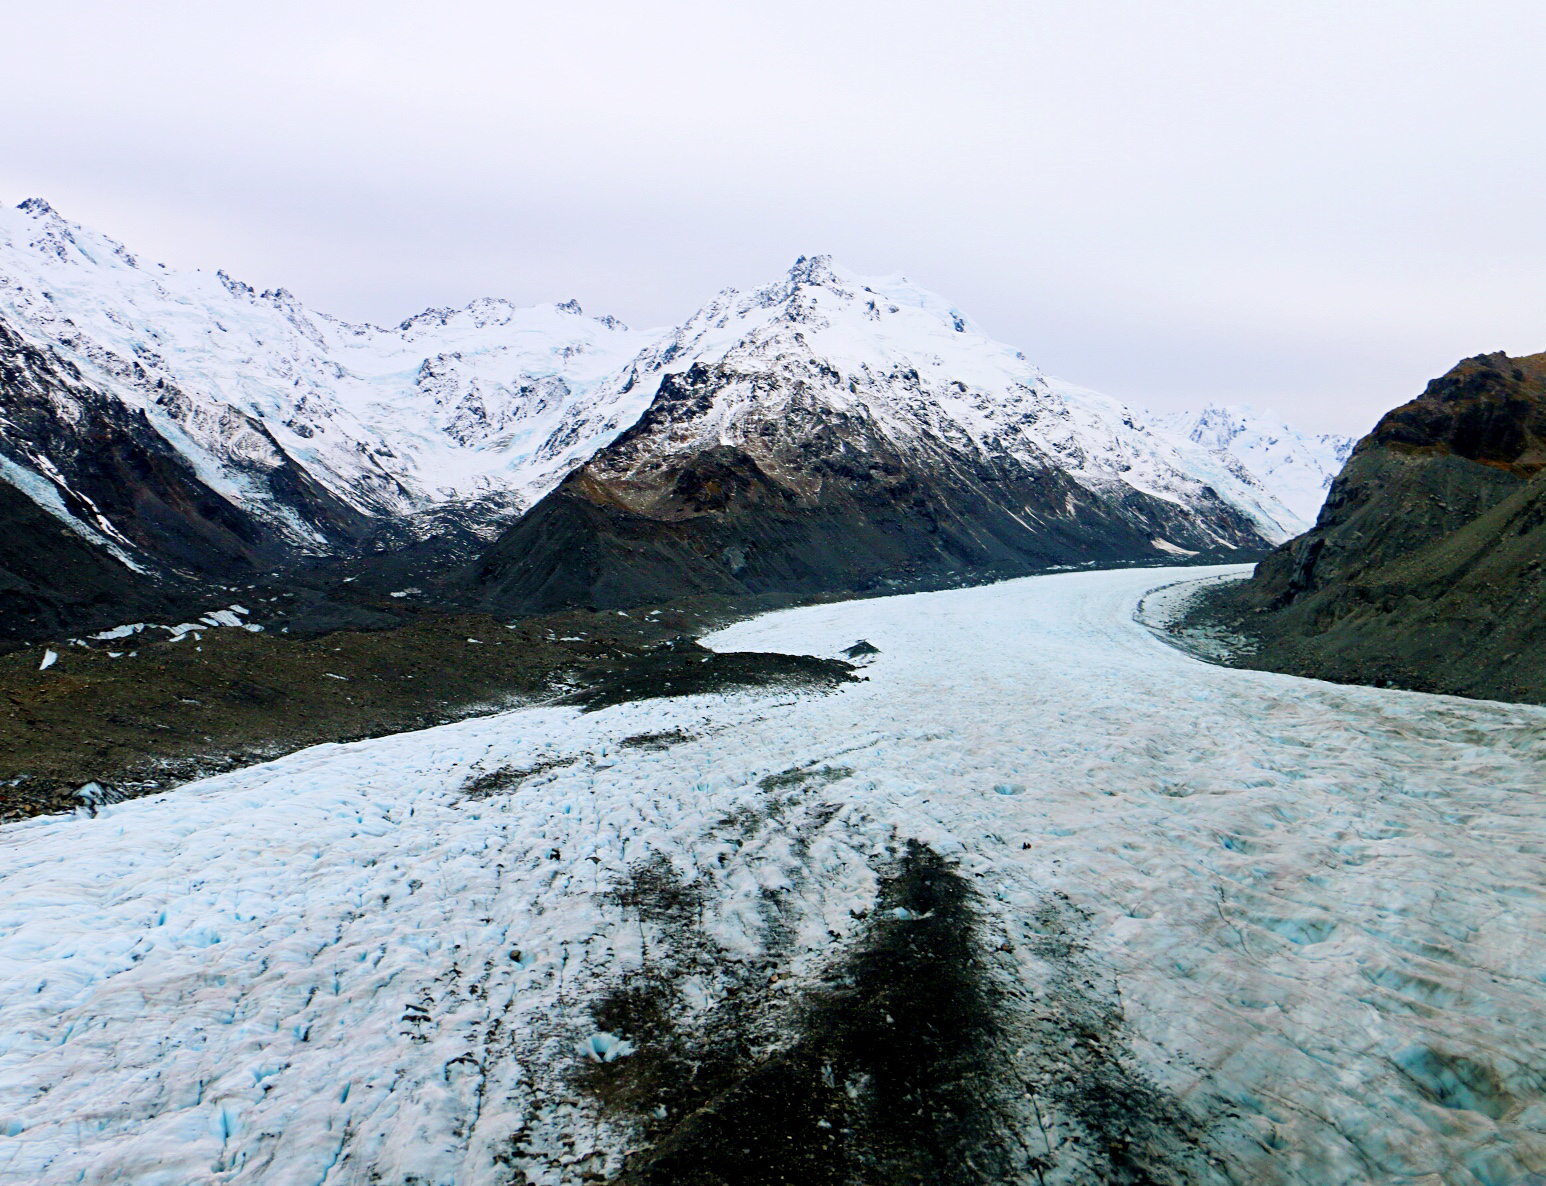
[1427, 566]
[812, 498]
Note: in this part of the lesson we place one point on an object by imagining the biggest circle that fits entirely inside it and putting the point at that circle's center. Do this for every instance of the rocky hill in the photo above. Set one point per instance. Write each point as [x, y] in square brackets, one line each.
[1425, 567]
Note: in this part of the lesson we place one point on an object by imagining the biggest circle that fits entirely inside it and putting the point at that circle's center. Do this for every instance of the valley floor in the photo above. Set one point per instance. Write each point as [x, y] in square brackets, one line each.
[1045, 900]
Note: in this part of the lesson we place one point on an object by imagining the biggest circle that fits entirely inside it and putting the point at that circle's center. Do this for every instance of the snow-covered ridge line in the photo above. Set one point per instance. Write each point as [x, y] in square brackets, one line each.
[1296, 466]
[450, 404]
[486, 408]
[893, 353]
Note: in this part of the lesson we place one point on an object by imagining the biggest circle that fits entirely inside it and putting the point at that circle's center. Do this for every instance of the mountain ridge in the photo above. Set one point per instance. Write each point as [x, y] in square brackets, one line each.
[1298, 467]
[256, 434]
[1426, 568]
[866, 422]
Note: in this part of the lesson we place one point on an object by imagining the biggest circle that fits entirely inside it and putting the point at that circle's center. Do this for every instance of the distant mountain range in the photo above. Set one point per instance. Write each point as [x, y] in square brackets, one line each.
[835, 431]
[826, 431]
[1297, 467]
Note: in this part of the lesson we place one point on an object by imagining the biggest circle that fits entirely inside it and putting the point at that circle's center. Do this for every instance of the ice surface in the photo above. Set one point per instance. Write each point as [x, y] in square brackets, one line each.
[1318, 908]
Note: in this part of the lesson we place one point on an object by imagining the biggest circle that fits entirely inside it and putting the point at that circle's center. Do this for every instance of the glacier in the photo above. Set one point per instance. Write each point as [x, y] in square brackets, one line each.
[1296, 466]
[1305, 916]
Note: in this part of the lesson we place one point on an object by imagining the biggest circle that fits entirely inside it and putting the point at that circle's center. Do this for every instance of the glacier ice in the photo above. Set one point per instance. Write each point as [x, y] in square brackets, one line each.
[1308, 914]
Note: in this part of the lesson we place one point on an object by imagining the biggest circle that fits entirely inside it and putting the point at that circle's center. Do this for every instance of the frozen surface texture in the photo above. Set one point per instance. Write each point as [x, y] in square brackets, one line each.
[1232, 926]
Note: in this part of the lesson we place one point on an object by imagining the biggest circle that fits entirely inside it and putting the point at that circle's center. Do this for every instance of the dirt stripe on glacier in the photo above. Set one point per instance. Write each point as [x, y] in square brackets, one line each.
[916, 1058]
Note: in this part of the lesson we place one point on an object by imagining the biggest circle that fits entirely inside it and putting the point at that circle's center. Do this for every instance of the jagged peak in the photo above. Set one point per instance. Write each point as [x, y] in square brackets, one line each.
[430, 316]
[281, 297]
[498, 311]
[813, 269]
[232, 285]
[37, 207]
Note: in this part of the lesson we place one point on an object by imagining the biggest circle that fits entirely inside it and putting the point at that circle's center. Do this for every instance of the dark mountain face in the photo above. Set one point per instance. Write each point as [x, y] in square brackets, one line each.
[149, 535]
[111, 464]
[1425, 567]
[1488, 409]
[811, 498]
[53, 581]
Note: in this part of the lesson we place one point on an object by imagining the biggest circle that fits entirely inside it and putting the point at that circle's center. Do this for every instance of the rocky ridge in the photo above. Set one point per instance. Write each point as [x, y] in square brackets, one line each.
[1425, 567]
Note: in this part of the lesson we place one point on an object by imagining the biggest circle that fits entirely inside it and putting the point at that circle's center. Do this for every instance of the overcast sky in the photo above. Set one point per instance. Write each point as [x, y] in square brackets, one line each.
[1311, 206]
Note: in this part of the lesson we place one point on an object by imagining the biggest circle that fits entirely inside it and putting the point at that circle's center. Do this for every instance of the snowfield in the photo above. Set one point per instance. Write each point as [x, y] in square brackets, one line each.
[1294, 929]
[1298, 467]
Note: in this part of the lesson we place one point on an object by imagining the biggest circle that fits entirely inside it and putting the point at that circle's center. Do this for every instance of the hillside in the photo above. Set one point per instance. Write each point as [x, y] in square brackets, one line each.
[1425, 568]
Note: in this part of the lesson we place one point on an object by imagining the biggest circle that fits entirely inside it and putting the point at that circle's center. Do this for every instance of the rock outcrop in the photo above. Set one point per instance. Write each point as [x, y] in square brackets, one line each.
[1425, 567]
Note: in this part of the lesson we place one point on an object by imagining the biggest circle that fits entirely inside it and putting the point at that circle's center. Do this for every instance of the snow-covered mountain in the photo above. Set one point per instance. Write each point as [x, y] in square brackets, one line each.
[862, 413]
[1296, 466]
[886, 349]
[183, 421]
[453, 405]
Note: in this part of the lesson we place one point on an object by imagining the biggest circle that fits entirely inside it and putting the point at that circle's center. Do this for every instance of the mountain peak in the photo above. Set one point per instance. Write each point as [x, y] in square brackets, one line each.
[37, 207]
[456, 402]
[814, 270]
[1297, 466]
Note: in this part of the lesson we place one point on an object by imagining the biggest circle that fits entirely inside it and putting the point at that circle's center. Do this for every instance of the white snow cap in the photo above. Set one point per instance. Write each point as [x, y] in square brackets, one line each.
[495, 401]
[887, 349]
[1296, 466]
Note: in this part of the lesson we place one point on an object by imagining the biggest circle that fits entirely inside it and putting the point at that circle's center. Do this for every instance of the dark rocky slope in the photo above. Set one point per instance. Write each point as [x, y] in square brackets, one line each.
[109, 462]
[1425, 567]
[168, 712]
[53, 581]
[814, 498]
